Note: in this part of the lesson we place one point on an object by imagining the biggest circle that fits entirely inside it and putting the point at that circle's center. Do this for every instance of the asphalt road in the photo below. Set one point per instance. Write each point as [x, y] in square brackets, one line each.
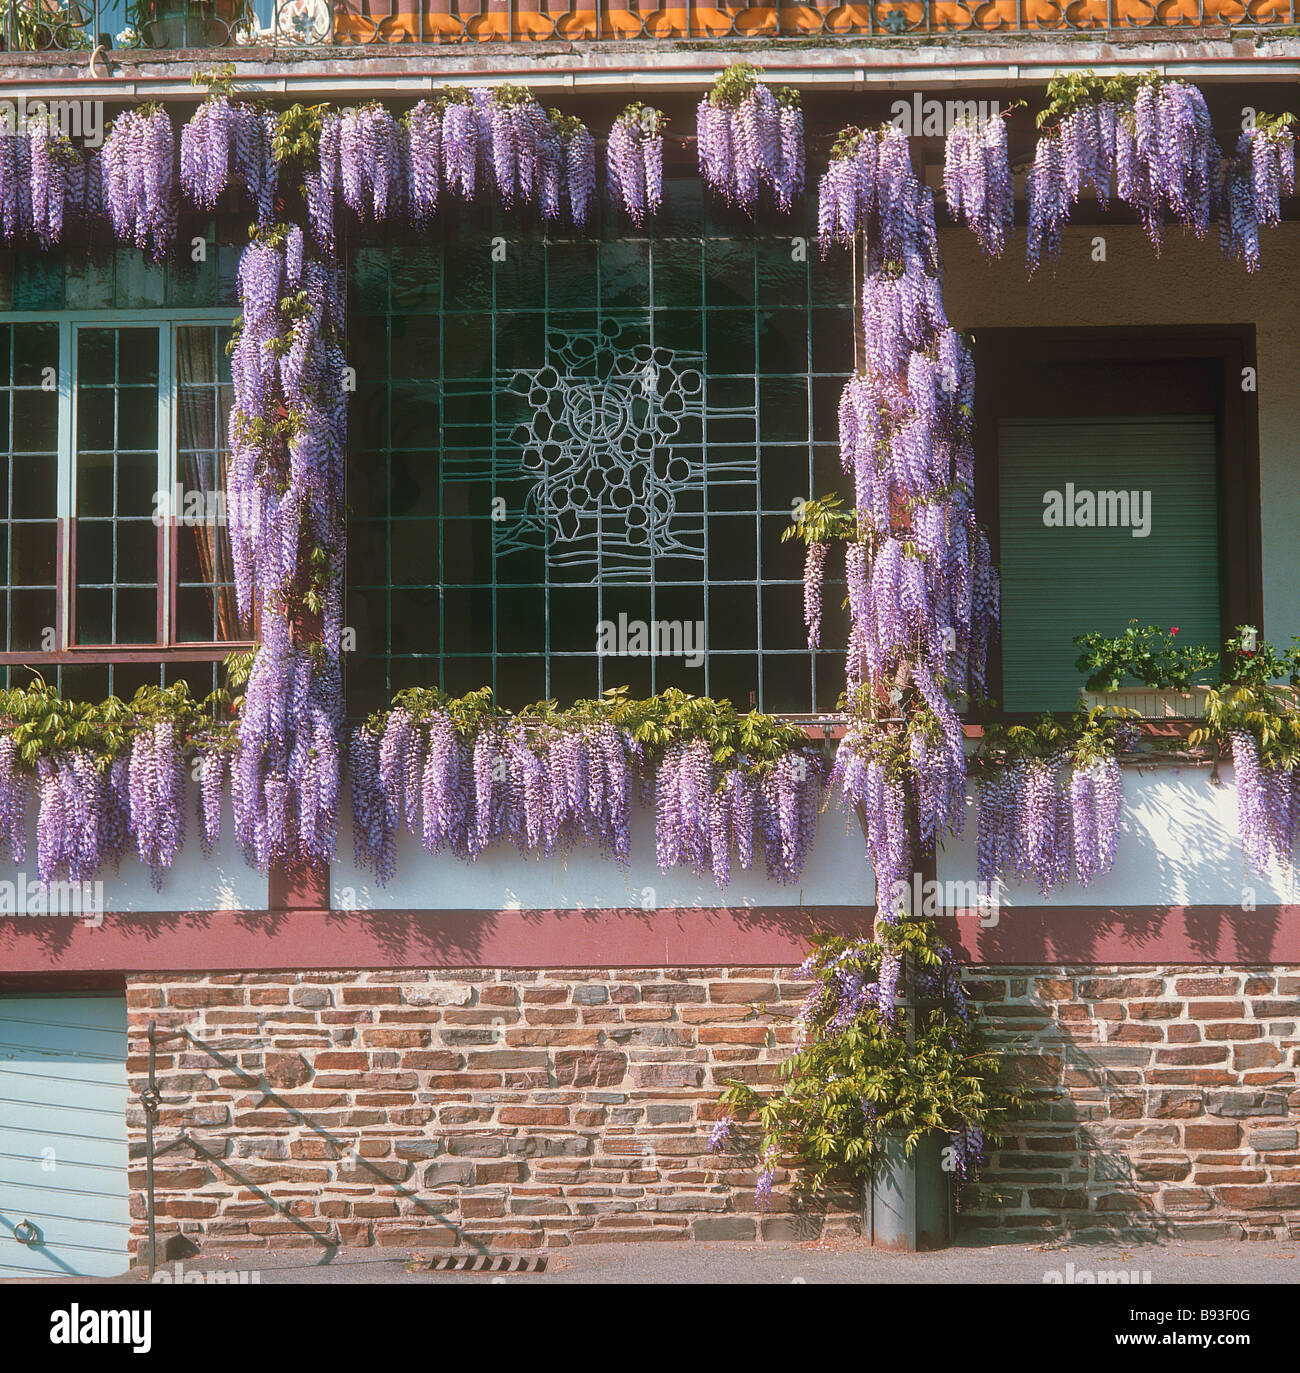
[1211, 1261]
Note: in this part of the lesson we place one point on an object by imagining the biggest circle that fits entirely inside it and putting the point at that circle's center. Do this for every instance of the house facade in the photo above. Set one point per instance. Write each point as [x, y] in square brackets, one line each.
[526, 1050]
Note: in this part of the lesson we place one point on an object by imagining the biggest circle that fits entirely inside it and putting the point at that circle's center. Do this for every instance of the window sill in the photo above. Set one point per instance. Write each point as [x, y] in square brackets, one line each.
[129, 653]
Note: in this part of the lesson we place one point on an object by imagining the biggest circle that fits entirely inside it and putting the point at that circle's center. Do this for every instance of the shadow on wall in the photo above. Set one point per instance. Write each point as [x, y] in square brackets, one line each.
[184, 1182]
[1061, 1173]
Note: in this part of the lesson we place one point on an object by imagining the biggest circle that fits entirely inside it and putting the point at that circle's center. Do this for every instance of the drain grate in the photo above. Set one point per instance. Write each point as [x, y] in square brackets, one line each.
[489, 1263]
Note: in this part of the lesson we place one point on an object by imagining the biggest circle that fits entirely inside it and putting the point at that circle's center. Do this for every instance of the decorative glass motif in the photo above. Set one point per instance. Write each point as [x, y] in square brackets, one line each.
[612, 443]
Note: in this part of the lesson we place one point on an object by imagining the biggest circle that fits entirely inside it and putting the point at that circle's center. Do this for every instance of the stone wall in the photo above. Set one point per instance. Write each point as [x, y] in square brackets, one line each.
[436, 1108]
[431, 1109]
[1169, 1101]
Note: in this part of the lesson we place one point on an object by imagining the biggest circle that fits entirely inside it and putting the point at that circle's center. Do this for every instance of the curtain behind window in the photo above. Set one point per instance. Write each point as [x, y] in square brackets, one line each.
[205, 583]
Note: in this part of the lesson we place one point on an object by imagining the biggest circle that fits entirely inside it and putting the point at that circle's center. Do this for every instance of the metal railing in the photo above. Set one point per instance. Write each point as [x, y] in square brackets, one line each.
[152, 1100]
[35, 25]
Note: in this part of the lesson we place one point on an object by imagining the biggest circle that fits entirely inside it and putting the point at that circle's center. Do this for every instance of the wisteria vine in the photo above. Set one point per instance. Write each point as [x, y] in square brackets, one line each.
[634, 162]
[922, 589]
[285, 497]
[1050, 800]
[750, 140]
[463, 775]
[109, 777]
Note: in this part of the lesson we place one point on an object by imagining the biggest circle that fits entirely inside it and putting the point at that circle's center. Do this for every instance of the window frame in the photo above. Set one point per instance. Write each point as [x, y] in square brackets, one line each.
[166, 647]
[999, 352]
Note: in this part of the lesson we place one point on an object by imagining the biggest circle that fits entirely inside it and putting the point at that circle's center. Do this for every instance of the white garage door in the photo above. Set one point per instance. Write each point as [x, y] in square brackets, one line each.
[63, 1181]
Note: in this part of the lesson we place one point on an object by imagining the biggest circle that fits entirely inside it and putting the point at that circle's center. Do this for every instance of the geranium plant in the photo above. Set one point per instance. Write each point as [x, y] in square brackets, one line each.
[1148, 653]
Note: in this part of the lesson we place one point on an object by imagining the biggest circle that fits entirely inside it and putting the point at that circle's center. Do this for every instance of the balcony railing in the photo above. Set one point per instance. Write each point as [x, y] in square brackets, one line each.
[32, 25]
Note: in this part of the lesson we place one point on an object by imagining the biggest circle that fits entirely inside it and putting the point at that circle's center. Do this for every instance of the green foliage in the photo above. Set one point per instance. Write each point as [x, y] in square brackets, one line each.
[42, 723]
[846, 1086]
[648, 119]
[1068, 92]
[1148, 653]
[1086, 737]
[735, 84]
[38, 25]
[657, 722]
[1258, 709]
[216, 80]
[850, 139]
[1274, 126]
[566, 125]
[511, 97]
[1250, 661]
[822, 520]
[297, 133]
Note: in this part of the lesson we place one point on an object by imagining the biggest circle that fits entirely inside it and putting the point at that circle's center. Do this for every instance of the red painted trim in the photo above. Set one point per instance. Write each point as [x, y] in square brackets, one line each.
[1130, 934]
[255, 941]
[313, 938]
[298, 889]
[148, 653]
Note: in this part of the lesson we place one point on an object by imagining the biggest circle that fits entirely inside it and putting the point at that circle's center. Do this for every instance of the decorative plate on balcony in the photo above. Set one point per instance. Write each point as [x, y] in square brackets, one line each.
[304, 21]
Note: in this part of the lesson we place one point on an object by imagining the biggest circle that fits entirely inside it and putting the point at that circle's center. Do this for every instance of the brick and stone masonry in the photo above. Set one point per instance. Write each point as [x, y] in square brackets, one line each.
[433, 1109]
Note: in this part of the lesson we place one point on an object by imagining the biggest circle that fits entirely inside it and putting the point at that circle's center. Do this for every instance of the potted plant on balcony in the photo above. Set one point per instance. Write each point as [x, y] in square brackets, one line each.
[895, 1098]
[188, 23]
[1154, 657]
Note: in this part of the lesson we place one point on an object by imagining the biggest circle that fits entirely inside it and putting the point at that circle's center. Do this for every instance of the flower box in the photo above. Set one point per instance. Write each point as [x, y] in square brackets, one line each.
[1151, 703]
[1167, 703]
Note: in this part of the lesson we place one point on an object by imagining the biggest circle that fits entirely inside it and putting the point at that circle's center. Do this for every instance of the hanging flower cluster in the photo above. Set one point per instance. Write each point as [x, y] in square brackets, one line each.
[750, 140]
[45, 184]
[464, 775]
[466, 143]
[977, 181]
[869, 181]
[105, 777]
[226, 143]
[1050, 799]
[1268, 802]
[1152, 140]
[1255, 180]
[634, 162]
[285, 497]
[138, 170]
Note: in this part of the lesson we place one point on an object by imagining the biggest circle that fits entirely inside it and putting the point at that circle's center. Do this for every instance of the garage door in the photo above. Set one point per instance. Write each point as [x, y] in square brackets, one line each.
[63, 1182]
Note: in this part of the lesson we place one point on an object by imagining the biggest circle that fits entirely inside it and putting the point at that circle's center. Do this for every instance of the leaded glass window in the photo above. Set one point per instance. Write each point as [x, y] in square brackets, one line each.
[574, 434]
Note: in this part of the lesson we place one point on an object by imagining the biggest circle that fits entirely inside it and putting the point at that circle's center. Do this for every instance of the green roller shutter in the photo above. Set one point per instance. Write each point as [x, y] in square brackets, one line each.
[1059, 582]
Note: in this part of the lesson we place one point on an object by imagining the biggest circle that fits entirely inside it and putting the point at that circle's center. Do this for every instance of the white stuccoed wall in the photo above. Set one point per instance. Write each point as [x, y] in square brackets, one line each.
[503, 879]
[220, 882]
[1177, 847]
